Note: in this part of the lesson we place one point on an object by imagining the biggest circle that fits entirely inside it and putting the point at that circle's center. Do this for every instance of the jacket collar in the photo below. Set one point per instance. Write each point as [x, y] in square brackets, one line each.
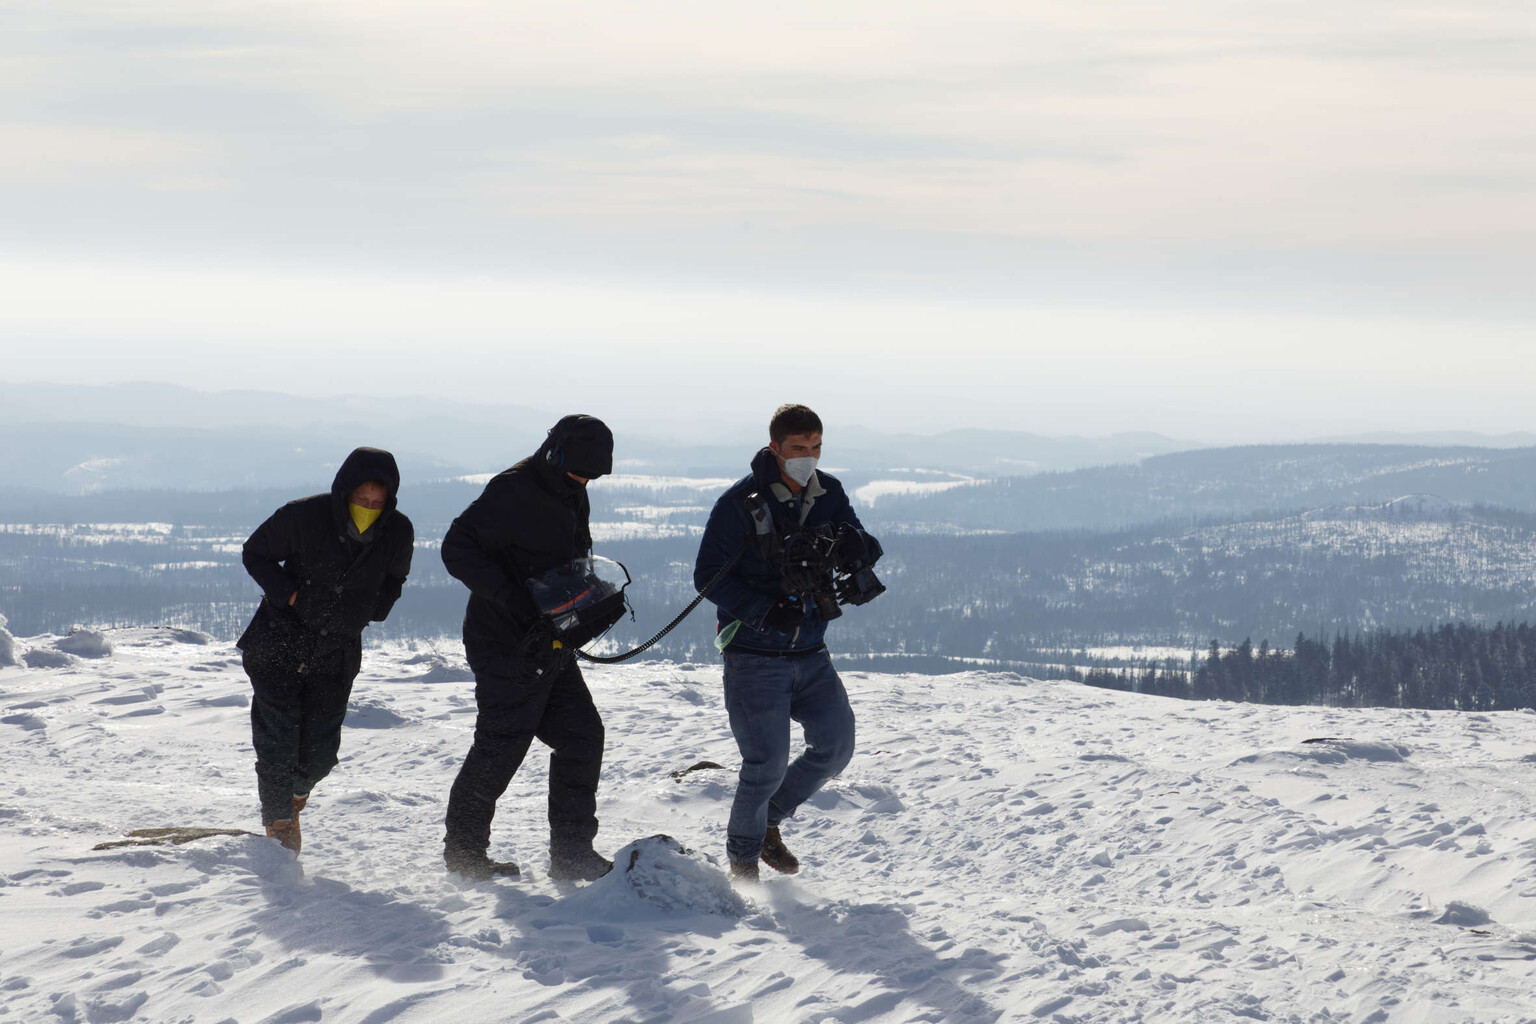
[808, 494]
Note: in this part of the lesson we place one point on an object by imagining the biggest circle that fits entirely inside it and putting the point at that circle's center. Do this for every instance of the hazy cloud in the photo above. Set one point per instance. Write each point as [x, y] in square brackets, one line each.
[1003, 162]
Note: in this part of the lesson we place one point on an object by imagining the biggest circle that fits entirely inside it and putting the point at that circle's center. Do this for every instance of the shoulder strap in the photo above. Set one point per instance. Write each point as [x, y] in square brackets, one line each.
[768, 540]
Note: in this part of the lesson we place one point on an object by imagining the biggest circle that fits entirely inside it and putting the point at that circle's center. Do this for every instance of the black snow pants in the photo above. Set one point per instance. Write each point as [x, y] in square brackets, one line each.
[519, 701]
[296, 715]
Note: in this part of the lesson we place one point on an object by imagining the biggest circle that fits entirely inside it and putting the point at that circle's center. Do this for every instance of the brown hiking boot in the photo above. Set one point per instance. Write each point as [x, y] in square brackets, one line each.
[744, 871]
[776, 855]
[579, 865]
[474, 864]
[298, 804]
[287, 833]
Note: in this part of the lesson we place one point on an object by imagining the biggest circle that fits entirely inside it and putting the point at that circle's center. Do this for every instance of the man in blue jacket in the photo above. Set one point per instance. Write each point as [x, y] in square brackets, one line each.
[771, 631]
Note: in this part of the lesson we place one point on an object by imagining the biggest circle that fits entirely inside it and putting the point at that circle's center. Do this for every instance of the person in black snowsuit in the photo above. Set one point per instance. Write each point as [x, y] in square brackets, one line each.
[327, 565]
[529, 519]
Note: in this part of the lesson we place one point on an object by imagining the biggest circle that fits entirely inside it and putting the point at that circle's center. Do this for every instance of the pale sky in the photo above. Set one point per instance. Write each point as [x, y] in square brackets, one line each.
[1235, 220]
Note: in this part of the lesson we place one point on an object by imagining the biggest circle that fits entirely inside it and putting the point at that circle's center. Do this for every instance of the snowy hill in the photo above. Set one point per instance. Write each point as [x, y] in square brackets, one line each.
[1241, 482]
[1000, 849]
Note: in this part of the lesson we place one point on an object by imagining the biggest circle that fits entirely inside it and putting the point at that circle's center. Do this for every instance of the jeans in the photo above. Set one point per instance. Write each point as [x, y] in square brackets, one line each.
[763, 695]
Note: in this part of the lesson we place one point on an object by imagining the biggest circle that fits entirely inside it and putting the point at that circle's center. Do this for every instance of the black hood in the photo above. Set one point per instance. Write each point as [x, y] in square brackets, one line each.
[579, 444]
[363, 465]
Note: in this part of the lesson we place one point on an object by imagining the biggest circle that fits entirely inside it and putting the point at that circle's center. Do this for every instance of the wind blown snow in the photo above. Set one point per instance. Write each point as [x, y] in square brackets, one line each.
[1001, 849]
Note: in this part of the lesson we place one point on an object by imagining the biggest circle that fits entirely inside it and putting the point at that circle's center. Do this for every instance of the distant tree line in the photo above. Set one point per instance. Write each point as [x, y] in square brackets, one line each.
[996, 597]
[1458, 667]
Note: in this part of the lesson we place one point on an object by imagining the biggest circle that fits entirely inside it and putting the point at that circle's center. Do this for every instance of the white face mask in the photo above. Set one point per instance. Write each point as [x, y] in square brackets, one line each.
[800, 470]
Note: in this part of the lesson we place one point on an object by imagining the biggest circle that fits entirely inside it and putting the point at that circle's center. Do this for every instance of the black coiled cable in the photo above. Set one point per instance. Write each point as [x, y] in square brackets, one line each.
[669, 627]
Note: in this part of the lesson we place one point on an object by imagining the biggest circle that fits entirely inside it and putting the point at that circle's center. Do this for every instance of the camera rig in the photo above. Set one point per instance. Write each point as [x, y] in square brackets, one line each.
[830, 567]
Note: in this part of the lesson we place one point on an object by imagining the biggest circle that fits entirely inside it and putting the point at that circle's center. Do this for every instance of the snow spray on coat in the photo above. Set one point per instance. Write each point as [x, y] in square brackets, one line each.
[755, 584]
[344, 579]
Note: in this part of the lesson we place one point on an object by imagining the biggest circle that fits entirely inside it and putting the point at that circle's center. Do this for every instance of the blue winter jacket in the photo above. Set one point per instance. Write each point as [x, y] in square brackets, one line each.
[753, 586]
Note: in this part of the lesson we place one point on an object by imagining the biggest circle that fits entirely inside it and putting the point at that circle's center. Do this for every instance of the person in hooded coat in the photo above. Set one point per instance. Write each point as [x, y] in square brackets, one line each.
[529, 519]
[327, 565]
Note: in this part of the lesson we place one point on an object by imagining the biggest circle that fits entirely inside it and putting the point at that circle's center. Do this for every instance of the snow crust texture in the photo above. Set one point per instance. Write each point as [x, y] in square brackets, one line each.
[1000, 849]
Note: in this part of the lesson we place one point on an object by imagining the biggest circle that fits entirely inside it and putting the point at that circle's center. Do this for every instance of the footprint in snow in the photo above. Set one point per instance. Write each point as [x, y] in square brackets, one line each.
[84, 948]
[373, 716]
[232, 700]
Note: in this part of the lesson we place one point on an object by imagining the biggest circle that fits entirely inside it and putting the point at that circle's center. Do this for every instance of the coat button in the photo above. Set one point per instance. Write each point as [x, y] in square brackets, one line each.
[324, 632]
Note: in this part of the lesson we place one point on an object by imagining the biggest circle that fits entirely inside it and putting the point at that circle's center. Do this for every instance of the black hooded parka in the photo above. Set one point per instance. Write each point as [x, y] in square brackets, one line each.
[344, 579]
[530, 519]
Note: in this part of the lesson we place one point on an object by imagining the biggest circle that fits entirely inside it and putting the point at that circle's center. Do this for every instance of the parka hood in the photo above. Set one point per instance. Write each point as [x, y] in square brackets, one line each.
[363, 465]
[765, 467]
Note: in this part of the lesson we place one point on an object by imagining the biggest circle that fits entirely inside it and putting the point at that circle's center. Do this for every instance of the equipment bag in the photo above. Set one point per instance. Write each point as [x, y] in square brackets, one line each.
[580, 601]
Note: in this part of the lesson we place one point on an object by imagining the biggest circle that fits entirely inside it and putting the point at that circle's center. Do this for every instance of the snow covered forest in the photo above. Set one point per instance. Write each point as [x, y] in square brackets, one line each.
[1012, 600]
[1468, 668]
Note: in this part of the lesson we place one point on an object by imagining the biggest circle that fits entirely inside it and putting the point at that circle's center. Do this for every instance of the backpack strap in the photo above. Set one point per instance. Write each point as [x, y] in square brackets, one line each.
[768, 540]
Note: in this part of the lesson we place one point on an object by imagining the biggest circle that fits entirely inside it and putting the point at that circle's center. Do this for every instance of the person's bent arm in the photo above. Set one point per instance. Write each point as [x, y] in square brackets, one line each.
[846, 516]
[274, 541]
[724, 535]
[398, 569]
[470, 546]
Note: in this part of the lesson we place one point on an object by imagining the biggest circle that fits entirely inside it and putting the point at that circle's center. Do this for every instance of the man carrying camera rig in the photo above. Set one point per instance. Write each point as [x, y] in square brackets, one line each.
[530, 521]
[802, 552]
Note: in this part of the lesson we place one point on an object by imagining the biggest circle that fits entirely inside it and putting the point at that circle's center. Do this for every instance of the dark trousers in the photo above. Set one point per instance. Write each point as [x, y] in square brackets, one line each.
[296, 716]
[517, 704]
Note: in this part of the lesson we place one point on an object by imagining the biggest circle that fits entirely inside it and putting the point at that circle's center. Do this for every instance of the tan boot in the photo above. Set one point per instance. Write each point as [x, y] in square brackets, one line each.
[298, 804]
[776, 855]
[287, 833]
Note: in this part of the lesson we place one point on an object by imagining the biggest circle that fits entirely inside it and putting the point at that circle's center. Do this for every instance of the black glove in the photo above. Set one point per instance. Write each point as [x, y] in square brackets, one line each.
[848, 549]
[542, 641]
[785, 615]
[854, 549]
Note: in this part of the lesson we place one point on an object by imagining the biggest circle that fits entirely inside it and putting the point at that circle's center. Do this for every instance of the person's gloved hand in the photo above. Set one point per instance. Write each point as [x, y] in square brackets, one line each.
[542, 642]
[785, 615]
[854, 549]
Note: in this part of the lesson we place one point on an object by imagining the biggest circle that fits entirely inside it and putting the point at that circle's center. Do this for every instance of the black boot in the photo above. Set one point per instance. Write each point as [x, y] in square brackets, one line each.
[471, 863]
[578, 865]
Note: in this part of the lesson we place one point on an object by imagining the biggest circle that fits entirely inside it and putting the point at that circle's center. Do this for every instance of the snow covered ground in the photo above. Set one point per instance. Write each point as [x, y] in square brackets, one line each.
[1000, 849]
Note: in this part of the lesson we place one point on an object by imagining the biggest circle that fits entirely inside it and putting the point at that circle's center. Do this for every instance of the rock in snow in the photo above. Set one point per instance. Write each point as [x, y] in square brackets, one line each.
[7, 647]
[1464, 914]
[85, 643]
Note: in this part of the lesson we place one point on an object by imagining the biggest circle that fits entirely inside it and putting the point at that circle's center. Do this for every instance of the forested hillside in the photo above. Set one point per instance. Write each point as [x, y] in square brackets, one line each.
[1002, 597]
[1227, 482]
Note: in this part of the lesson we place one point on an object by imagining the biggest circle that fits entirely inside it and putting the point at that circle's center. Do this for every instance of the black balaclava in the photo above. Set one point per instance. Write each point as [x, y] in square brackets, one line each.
[582, 445]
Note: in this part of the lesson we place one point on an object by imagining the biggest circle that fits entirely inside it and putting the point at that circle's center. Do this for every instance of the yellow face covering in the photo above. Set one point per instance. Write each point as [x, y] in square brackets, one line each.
[362, 517]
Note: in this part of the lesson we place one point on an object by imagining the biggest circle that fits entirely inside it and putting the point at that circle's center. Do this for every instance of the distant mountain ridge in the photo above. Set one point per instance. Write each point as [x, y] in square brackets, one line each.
[1235, 482]
[1435, 438]
[133, 436]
